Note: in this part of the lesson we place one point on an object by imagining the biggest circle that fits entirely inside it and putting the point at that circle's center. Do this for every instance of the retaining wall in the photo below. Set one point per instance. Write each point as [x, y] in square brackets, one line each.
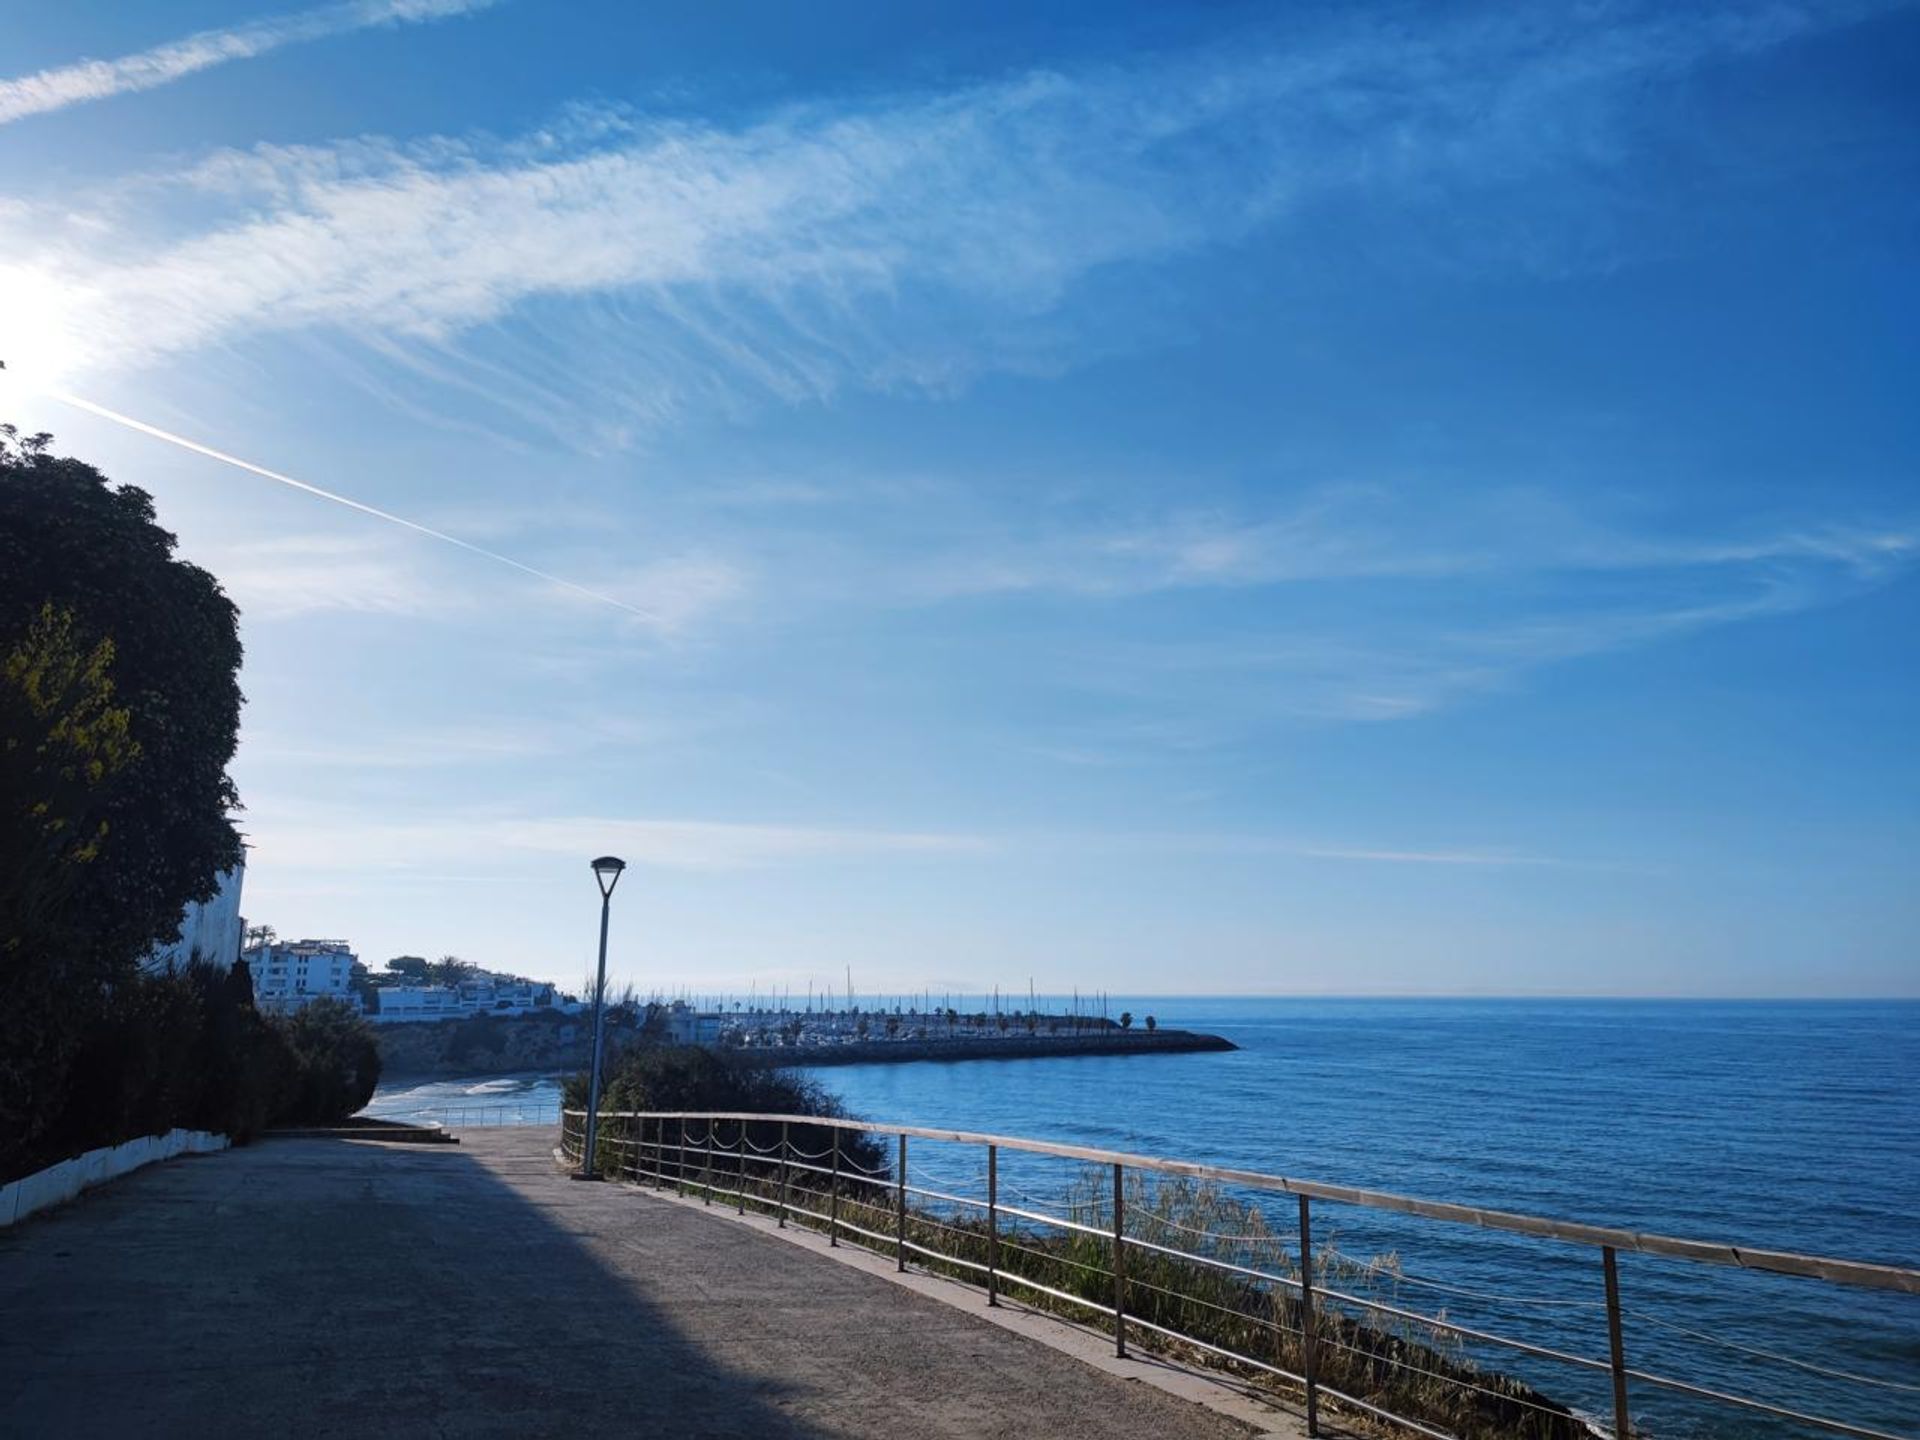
[59, 1183]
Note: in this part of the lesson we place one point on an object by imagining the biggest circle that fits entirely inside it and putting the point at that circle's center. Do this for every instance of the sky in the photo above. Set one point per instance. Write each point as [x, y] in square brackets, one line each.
[1212, 499]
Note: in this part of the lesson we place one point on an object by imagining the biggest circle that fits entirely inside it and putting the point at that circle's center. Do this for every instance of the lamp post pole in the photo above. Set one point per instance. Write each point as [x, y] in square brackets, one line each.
[606, 871]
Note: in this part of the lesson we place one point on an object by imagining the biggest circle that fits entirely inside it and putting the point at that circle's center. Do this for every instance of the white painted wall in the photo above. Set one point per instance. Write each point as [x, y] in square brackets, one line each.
[59, 1183]
[213, 930]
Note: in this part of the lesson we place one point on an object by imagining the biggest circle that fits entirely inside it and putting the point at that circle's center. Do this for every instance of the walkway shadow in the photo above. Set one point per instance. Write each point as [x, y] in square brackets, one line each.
[322, 1287]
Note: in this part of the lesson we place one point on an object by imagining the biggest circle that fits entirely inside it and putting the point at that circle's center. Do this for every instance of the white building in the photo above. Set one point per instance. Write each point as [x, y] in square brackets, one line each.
[687, 1026]
[290, 974]
[417, 1002]
[211, 931]
[485, 995]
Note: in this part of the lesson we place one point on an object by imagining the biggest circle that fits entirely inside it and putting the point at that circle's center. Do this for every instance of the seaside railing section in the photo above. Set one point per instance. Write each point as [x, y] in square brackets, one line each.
[1121, 1248]
[506, 1112]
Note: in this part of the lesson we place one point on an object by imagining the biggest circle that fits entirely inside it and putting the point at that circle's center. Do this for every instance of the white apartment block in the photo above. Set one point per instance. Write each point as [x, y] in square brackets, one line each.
[211, 930]
[491, 996]
[290, 974]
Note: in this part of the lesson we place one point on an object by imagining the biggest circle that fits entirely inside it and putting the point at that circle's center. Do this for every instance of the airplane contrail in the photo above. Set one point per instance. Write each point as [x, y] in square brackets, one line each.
[234, 460]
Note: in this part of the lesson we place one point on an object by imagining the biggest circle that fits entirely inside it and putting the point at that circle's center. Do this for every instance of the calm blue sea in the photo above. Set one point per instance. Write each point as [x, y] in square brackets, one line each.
[1785, 1125]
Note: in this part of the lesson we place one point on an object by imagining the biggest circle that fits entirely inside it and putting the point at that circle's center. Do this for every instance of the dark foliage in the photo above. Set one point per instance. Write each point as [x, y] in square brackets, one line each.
[336, 1062]
[184, 1050]
[686, 1077]
[188, 1050]
[91, 550]
[119, 709]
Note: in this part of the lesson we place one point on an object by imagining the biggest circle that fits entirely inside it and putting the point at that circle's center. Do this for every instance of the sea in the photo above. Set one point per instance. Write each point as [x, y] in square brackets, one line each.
[1777, 1125]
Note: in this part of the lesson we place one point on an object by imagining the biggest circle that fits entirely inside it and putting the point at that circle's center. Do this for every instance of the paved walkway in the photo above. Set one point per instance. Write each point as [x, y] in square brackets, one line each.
[326, 1287]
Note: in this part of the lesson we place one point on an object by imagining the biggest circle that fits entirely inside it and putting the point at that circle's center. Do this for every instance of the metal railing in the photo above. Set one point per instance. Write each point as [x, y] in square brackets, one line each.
[1317, 1321]
[469, 1117]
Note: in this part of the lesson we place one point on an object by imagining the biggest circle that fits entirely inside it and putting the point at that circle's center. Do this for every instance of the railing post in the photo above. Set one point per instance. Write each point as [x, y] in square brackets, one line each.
[1119, 1264]
[706, 1166]
[1309, 1338]
[1622, 1422]
[680, 1158]
[740, 1180]
[993, 1224]
[900, 1210]
[833, 1195]
[783, 1175]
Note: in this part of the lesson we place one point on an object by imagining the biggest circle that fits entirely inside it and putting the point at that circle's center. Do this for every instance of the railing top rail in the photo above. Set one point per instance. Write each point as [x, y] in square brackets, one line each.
[1712, 1252]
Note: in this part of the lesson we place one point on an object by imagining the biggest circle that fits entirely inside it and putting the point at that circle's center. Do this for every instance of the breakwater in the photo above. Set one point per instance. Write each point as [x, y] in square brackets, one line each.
[502, 1045]
[980, 1047]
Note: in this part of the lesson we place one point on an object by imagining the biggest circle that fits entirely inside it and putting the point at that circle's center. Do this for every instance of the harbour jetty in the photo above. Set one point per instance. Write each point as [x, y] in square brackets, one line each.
[1021, 1046]
[553, 1039]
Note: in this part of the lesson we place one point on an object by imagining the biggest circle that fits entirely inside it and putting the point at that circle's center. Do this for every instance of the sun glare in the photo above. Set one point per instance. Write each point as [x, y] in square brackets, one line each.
[37, 341]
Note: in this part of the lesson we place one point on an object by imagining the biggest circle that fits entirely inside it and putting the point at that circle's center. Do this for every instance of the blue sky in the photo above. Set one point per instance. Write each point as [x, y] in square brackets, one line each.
[1228, 499]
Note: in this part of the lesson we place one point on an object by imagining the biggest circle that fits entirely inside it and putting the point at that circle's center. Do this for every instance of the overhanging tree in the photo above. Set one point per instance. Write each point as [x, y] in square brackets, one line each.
[119, 712]
[92, 551]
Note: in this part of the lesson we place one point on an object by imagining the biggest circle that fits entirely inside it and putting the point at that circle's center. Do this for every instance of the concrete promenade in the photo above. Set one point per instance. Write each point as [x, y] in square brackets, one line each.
[341, 1288]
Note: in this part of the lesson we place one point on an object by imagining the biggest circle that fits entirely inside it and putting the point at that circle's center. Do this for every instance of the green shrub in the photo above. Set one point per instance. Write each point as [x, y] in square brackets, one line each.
[336, 1063]
[686, 1077]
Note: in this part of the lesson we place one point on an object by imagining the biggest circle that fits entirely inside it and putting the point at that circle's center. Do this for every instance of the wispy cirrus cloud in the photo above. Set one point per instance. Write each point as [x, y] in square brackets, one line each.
[322, 839]
[1387, 532]
[88, 80]
[904, 242]
[307, 838]
[296, 575]
[1384, 606]
[377, 574]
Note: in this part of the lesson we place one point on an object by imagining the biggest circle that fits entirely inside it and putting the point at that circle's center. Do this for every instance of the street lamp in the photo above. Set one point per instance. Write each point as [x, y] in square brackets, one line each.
[606, 871]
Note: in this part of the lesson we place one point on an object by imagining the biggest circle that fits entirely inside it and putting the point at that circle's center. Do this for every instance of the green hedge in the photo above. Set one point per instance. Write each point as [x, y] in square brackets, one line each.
[187, 1049]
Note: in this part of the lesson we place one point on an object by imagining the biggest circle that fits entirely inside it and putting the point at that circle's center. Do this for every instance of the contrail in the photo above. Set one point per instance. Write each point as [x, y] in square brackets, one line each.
[98, 79]
[212, 454]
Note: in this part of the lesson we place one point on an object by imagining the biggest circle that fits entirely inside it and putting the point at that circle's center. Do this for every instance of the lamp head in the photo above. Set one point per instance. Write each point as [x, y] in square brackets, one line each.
[607, 870]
